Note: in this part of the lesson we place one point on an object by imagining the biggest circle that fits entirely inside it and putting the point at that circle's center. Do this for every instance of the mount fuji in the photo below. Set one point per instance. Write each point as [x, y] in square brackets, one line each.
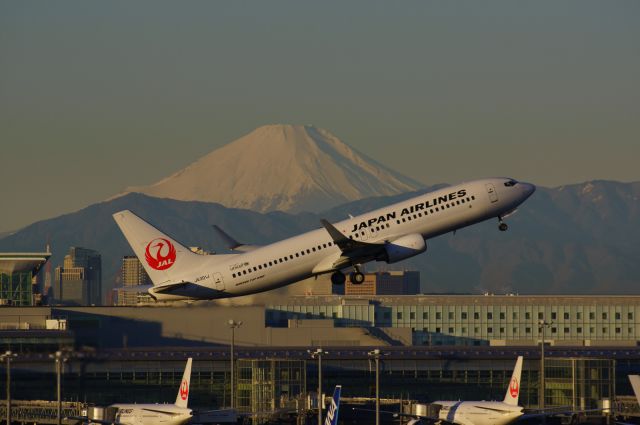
[289, 168]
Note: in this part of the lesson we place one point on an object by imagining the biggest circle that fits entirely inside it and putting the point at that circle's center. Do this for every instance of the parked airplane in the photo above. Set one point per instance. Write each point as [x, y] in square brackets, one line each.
[150, 414]
[389, 234]
[485, 412]
[477, 412]
[334, 408]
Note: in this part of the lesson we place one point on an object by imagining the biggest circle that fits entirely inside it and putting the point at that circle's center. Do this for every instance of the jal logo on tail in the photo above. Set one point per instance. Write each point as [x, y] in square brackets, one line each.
[184, 390]
[514, 387]
[160, 254]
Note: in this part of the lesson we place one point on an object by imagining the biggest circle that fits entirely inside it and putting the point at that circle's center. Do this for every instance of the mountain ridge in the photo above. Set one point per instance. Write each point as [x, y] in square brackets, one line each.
[575, 239]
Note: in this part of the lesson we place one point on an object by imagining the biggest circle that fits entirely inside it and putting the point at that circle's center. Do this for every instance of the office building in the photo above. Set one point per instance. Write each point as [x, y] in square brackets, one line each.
[133, 274]
[386, 283]
[79, 280]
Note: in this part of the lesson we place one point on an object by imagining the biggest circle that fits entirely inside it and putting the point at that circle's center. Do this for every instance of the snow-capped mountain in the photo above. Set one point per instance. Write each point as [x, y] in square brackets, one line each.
[282, 167]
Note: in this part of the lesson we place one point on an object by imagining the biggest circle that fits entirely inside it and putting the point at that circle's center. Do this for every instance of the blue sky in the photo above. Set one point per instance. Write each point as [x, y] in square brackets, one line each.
[97, 96]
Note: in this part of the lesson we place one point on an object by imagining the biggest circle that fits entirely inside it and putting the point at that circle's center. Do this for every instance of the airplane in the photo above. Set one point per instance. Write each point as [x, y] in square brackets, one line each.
[476, 412]
[390, 234]
[485, 412]
[332, 413]
[150, 414]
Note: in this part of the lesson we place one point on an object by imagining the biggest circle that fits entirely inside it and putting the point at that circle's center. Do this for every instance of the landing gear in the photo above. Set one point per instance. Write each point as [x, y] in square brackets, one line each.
[356, 277]
[338, 278]
[502, 226]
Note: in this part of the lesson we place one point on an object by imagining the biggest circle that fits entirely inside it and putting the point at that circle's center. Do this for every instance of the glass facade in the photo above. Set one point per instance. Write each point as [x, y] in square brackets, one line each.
[476, 320]
[16, 288]
[580, 383]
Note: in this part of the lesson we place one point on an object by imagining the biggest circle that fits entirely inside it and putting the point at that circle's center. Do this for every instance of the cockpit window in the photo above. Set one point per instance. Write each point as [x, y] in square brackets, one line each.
[510, 183]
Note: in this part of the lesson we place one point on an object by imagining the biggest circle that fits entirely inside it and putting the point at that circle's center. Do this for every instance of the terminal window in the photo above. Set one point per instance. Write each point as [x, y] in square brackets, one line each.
[579, 330]
[566, 316]
[425, 315]
[490, 316]
[476, 316]
[618, 330]
[592, 316]
[412, 315]
[451, 315]
[527, 330]
[553, 315]
[527, 315]
[501, 316]
[579, 316]
[604, 316]
[463, 315]
[438, 315]
[630, 316]
[617, 316]
[540, 316]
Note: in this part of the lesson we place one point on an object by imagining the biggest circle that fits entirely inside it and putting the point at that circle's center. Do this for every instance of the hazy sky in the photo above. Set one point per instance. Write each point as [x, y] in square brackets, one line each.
[97, 96]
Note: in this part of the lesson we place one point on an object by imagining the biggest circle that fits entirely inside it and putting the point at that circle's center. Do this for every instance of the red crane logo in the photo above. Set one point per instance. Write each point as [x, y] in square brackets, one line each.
[160, 254]
[514, 388]
[184, 390]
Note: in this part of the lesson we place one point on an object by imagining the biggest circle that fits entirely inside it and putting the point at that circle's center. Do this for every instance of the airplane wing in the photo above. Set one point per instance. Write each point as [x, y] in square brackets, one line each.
[353, 251]
[233, 244]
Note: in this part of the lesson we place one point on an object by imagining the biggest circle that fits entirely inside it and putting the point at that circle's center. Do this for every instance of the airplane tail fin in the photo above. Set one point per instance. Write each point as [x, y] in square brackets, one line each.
[163, 258]
[332, 413]
[183, 392]
[513, 391]
[635, 384]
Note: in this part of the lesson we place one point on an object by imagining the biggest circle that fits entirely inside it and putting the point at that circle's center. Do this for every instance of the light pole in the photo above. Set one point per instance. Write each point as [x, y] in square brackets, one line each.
[542, 326]
[59, 357]
[376, 355]
[319, 353]
[8, 356]
[233, 325]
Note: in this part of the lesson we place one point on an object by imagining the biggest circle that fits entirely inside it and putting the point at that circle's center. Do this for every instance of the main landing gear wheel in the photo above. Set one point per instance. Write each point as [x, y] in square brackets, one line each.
[356, 277]
[502, 226]
[338, 278]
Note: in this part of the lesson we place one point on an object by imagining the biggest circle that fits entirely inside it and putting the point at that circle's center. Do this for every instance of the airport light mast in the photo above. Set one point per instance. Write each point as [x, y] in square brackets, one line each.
[8, 356]
[319, 353]
[59, 357]
[542, 326]
[376, 355]
[233, 325]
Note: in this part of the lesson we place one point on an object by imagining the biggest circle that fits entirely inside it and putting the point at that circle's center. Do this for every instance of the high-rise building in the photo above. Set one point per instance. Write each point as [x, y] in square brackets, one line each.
[79, 279]
[386, 283]
[133, 274]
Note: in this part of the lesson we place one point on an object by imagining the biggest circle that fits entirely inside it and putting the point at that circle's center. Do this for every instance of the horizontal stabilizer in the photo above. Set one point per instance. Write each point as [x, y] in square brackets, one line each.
[231, 243]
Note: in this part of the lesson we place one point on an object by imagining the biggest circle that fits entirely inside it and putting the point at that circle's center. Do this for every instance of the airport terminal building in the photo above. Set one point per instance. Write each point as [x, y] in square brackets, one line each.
[434, 347]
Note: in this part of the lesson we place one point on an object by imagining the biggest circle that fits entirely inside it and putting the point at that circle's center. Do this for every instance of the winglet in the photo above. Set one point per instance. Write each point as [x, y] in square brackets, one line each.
[338, 237]
[332, 413]
[513, 391]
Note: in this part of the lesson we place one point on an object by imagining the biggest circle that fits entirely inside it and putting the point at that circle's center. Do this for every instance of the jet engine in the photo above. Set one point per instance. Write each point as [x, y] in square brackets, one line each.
[404, 247]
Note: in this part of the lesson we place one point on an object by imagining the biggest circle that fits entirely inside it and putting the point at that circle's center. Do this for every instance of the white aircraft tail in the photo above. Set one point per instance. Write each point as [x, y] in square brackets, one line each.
[183, 392]
[164, 259]
[513, 391]
[635, 384]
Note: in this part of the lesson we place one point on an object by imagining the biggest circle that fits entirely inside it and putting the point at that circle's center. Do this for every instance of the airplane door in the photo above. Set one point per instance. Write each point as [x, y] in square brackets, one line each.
[218, 281]
[491, 190]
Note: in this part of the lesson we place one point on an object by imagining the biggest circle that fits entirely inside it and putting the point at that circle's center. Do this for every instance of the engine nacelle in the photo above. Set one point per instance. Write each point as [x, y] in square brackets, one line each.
[405, 247]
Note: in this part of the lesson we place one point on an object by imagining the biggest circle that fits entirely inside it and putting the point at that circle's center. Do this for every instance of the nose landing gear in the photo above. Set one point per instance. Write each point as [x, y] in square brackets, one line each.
[502, 226]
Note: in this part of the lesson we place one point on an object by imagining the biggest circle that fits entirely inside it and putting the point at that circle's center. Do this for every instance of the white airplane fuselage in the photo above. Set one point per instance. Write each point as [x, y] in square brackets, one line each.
[313, 253]
[150, 414]
[478, 412]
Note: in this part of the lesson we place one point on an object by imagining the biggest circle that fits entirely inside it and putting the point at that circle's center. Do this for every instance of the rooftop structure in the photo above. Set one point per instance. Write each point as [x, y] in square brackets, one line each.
[17, 277]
